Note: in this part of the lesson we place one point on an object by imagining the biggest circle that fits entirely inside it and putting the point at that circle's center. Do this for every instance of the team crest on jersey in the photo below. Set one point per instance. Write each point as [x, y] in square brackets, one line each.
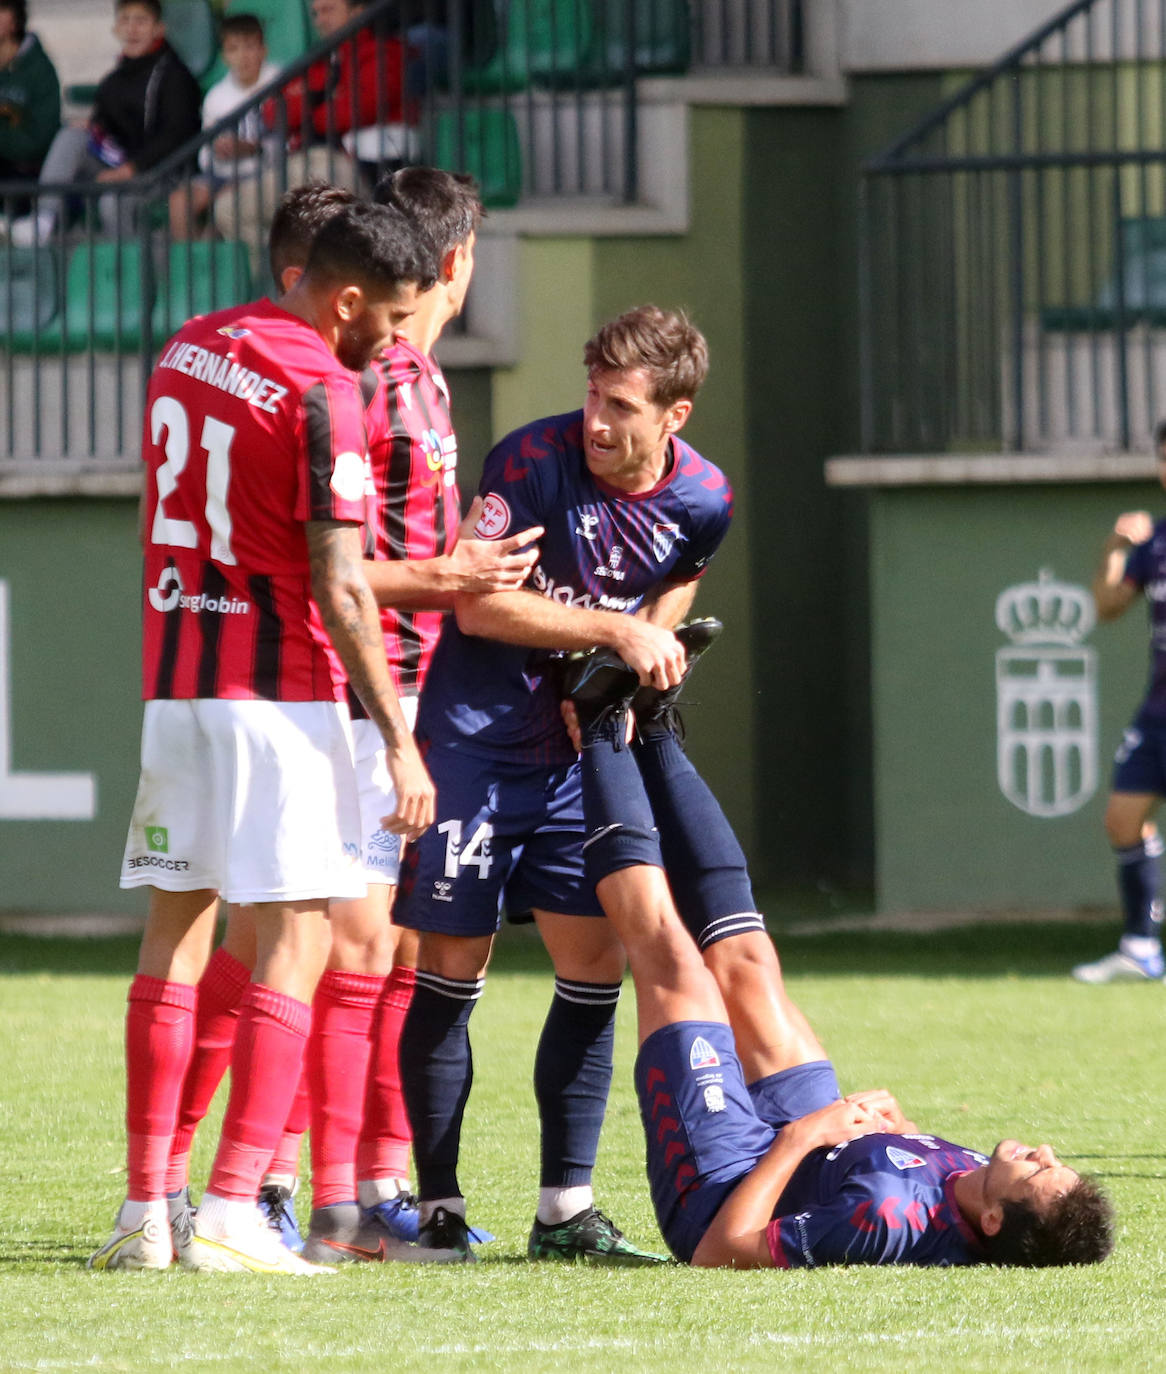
[348, 476]
[664, 538]
[701, 1054]
[494, 519]
[233, 331]
[904, 1159]
[714, 1098]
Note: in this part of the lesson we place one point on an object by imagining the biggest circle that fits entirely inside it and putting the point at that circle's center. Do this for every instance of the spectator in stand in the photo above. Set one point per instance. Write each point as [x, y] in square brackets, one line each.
[237, 152]
[321, 113]
[145, 109]
[30, 96]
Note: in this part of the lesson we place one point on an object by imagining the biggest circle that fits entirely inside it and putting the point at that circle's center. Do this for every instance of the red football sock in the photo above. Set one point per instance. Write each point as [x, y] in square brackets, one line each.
[338, 1056]
[159, 1037]
[266, 1063]
[386, 1138]
[286, 1160]
[220, 990]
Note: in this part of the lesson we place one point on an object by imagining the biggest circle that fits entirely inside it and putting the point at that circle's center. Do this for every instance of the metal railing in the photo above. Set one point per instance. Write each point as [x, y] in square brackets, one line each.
[749, 33]
[536, 99]
[1013, 249]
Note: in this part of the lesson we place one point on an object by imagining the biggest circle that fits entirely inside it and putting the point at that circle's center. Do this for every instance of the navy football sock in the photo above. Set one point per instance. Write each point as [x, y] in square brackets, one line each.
[437, 1069]
[704, 861]
[621, 831]
[1139, 882]
[572, 1075]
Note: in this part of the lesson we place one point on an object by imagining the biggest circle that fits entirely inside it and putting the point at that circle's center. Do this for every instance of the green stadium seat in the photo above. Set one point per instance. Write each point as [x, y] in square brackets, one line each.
[661, 38]
[200, 276]
[29, 284]
[489, 152]
[538, 41]
[190, 27]
[103, 300]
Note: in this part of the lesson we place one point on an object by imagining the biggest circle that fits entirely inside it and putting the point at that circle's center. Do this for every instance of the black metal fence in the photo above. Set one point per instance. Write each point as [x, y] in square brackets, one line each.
[535, 98]
[1013, 250]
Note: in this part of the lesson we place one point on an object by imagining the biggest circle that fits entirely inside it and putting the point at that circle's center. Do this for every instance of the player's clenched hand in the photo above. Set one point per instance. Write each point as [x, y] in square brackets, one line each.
[1135, 526]
[416, 795]
[651, 651]
[492, 565]
[841, 1120]
[885, 1108]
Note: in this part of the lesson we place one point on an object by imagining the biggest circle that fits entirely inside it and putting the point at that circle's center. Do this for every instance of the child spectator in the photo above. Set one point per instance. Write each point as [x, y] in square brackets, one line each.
[233, 155]
[148, 106]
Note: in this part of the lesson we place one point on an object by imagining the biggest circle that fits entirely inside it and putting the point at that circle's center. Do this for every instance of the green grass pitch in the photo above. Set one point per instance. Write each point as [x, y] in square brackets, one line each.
[978, 1030]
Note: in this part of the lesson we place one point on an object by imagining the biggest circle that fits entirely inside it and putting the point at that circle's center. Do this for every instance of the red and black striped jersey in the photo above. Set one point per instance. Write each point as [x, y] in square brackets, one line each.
[415, 507]
[252, 428]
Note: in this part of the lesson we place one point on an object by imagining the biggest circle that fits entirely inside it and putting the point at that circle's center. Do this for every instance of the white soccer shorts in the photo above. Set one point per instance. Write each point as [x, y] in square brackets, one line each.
[255, 799]
[380, 849]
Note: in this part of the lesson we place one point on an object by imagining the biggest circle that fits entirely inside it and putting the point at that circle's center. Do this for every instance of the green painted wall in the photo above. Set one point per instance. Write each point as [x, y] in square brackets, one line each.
[73, 575]
[946, 834]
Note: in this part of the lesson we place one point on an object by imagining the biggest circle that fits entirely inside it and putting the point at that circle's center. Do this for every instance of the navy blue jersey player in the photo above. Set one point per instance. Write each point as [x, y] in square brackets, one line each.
[754, 1158]
[1133, 564]
[632, 516]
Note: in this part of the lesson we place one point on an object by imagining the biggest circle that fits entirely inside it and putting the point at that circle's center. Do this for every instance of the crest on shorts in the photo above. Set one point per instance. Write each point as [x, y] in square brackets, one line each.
[714, 1098]
[701, 1054]
[1046, 697]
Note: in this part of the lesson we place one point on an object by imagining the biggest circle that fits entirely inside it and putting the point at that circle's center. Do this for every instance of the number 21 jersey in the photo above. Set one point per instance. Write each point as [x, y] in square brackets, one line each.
[252, 428]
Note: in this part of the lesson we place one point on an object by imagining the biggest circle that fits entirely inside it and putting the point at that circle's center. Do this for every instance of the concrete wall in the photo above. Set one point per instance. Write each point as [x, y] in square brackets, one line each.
[897, 35]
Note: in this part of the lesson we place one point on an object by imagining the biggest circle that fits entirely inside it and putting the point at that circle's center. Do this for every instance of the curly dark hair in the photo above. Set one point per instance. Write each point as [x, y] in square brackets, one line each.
[1076, 1229]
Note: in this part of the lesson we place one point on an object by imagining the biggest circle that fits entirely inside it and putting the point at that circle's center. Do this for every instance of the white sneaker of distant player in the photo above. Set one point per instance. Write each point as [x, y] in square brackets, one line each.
[233, 1237]
[1119, 967]
[140, 1240]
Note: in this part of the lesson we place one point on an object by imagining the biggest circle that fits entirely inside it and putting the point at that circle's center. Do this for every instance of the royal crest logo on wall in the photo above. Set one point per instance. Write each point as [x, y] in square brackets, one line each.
[1046, 697]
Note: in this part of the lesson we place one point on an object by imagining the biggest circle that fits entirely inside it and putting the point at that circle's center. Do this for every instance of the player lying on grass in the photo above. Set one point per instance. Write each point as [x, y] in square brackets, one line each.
[754, 1159]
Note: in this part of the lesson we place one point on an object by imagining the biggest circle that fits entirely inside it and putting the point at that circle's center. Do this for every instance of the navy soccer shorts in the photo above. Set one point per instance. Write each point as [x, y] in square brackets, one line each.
[1140, 762]
[500, 829]
[701, 1123]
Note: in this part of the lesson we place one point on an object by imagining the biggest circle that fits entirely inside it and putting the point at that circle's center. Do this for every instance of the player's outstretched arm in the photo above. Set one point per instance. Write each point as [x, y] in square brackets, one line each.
[350, 617]
[1113, 592]
[737, 1236]
[471, 565]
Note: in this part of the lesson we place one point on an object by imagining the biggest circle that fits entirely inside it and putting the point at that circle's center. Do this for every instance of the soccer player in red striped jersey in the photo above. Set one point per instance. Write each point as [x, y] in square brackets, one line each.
[359, 1007]
[256, 462]
[360, 1140]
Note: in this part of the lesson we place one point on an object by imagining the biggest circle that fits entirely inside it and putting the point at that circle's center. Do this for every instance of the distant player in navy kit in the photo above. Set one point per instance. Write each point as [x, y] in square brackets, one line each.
[1134, 561]
[632, 516]
[754, 1158]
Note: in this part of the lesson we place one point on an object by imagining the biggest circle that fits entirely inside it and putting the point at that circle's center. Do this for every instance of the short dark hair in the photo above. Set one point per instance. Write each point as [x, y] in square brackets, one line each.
[374, 247]
[241, 26]
[154, 6]
[445, 206]
[664, 343]
[1075, 1229]
[300, 215]
[18, 9]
